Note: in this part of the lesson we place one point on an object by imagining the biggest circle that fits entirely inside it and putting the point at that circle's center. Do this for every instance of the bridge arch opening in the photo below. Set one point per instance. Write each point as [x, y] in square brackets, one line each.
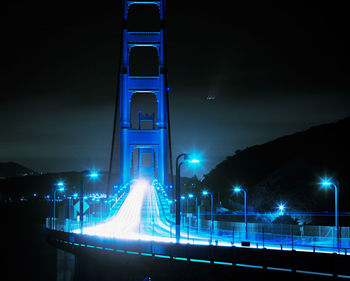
[144, 17]
[143, 111]
[143, 163]
[143, 61]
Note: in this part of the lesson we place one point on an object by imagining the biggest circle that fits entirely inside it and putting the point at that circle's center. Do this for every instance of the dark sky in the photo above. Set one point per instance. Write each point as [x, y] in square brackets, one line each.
[274, 70]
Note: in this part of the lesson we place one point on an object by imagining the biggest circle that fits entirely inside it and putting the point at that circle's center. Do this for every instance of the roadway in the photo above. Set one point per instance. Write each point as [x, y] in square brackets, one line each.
[141, 217]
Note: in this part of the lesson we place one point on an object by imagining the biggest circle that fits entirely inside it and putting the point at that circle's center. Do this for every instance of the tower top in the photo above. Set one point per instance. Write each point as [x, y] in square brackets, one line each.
[159, 3]
[153, 143]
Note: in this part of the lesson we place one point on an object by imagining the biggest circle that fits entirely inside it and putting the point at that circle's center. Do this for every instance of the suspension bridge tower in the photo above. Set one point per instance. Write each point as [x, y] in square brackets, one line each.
[155, 141]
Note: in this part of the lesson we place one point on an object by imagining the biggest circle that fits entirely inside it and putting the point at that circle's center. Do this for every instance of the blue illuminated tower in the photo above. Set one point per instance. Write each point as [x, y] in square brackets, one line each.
[155, 141]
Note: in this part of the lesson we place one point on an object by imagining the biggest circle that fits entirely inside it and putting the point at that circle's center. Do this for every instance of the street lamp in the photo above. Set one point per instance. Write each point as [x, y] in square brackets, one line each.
[190, 196]
[329, 183]
[238, 189]
[182, 208]
[93, 174]
[281, 207]
[59, 186]
[178, 201]
[83, 174]
[205, 193]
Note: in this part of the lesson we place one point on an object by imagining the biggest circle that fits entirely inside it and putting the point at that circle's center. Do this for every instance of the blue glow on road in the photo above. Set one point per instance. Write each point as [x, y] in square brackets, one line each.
[208, 261]
[142, 217]
[125, 223]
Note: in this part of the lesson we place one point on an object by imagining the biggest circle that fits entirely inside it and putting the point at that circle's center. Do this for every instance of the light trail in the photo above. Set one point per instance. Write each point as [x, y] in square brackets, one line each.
[141, 218]
[126, 223]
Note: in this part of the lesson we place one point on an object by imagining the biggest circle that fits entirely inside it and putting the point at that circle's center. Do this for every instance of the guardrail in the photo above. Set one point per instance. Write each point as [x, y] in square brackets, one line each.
[221, 237]
[264, 259]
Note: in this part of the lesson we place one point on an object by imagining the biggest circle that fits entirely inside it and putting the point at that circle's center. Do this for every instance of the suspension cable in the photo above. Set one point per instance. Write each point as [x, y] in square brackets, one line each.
[115, 119]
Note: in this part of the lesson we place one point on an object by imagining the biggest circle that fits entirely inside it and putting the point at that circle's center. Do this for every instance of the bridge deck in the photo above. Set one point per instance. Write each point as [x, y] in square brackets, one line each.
[292, 262]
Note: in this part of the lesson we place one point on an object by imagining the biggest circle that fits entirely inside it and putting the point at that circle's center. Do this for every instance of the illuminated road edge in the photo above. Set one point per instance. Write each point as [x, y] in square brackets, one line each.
[138, 218]
[140, 228]
[259, 259]
[141, 218]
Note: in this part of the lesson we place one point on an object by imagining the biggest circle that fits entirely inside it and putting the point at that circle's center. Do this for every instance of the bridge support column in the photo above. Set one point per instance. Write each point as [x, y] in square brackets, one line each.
[157, 138]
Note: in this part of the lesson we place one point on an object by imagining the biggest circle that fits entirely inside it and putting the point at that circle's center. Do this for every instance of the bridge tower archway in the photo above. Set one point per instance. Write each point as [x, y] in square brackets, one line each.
[139, 144]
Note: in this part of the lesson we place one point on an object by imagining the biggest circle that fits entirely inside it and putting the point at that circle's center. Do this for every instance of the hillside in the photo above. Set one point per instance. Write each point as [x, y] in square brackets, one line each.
[41, 184]
[11, 169]
[289, 169]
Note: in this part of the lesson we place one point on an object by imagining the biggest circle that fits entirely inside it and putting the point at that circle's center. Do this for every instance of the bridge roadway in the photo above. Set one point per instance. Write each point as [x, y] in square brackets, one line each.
[138, 257]
[140, 217]
[140, 234]
[143, 217]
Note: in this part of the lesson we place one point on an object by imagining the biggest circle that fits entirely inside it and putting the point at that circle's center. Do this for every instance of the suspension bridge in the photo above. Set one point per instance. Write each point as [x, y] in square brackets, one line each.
[135, 225]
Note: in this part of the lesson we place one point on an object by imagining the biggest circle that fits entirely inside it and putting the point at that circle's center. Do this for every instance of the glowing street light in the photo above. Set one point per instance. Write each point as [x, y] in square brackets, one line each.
[58, 186]
[328, 184]
[83, 174]
[191, 196]
[238, 189]
[93, 174]
[205, 193]
[187, 159]
[281, 207]
[183, 197]
[60, 183]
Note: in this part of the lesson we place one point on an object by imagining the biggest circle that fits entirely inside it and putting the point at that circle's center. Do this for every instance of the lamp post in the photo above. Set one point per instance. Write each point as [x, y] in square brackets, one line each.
[178, 200]
[59, 186]
[182, 208]
[205, 193]
[190, 196]
[329, 183]
[84, 174]
[239, 189]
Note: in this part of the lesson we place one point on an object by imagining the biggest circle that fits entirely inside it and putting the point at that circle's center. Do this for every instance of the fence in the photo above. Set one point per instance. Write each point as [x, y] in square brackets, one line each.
[199, 230]
[280, 235]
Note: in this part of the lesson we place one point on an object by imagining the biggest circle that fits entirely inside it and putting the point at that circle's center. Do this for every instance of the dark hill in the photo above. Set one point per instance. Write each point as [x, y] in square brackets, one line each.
[41, 184]
[289, 169]
[12, 169]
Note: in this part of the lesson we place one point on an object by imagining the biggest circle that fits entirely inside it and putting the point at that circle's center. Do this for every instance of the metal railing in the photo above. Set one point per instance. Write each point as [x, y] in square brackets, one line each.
[274, 236]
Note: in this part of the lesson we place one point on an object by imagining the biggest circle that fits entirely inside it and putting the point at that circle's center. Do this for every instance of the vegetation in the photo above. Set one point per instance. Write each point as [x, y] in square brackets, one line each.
[288, 169]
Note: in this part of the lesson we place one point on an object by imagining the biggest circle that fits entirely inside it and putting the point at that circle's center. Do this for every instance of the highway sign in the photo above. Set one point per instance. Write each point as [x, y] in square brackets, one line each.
[77, 207]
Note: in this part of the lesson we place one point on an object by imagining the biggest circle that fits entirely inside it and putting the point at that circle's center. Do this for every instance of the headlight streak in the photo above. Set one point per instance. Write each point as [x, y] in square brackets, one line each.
[140, 218]
[126, 221]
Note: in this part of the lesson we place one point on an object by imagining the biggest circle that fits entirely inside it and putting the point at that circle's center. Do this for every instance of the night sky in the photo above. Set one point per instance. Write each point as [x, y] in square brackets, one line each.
[273, 70]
